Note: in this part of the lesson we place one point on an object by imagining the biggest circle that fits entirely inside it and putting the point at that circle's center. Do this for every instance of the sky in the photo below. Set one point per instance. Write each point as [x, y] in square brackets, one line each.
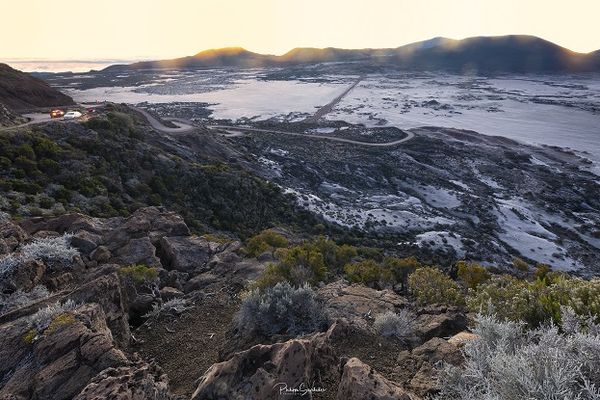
[154, 29]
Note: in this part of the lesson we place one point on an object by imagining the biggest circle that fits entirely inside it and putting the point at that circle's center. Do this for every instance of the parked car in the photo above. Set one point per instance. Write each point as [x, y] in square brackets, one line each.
[72, 115]
[57, 113]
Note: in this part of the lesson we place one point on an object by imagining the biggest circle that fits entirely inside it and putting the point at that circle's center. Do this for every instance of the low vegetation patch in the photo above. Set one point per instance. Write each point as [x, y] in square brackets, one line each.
[139, 273]
[42, 319]
[281, 309]
[50, 249]
[21, 298]
[267, 240]
[508, 361]
[399, 325]
[431, 286]
[172, 307]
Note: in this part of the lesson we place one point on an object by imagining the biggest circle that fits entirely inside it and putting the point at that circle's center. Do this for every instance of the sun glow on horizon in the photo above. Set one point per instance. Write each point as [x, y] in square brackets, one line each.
[152, 29]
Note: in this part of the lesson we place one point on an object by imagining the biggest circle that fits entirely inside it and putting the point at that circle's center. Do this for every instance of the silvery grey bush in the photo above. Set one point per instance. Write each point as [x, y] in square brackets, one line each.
[45, 249]
[174, 306]
[50, 249]
[281, 309]
[399, 325]
[44, 316]
[510, 362]
[20, 298]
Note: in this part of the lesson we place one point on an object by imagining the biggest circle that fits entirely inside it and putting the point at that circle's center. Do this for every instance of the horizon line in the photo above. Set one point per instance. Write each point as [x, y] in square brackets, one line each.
[111, 60]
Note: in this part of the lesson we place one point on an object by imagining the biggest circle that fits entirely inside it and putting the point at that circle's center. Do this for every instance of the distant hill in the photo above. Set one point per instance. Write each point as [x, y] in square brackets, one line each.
[514, 53]
[21, 91]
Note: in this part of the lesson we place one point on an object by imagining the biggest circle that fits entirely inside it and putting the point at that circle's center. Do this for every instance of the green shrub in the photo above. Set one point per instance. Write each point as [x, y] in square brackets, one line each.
[367, 272]
[301, 264]
[49, 166]
[139, 273]
[431, 286]
[267, 240]
[46, 202]
[401, 268]
[536, 302]
[520, 265]
[272, 275]
[26, 164]
[472, 274]
[25, 150]
[5, 162]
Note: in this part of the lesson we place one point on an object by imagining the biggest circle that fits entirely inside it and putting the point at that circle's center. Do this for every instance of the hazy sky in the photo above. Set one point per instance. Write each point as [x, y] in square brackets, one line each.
[128, 29]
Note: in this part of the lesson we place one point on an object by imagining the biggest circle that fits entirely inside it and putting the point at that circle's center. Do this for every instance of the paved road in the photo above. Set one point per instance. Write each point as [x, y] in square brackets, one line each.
[409, 135]
[37, 118]
[326, 109]
[183, 126]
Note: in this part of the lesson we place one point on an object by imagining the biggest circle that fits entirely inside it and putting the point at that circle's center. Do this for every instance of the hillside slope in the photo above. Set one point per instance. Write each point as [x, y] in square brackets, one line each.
[21, 91]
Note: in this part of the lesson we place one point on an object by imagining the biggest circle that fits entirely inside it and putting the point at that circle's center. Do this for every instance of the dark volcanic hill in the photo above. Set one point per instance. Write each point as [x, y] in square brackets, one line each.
[21, 91]
[515, 53]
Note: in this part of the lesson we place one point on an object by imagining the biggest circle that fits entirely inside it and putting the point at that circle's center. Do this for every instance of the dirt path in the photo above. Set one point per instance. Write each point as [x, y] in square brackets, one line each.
[326, 109]
[228, 128]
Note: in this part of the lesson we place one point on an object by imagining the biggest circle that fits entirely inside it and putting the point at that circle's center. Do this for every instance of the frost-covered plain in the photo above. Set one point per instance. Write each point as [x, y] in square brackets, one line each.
[553, 110]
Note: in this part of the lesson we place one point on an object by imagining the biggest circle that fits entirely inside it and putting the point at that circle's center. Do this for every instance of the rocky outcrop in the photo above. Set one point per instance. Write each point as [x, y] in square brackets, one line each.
[359, 381]
[11, 235]
[263, 370]
[439, 322]
[115, 240]
[138, 381]
[417, 368]
[187, 253]
[358, 304]
[57, 362]
[8, 118]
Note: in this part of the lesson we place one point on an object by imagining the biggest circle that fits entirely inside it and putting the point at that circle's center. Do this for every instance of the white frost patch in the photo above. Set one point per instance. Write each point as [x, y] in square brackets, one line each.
[391, 212]
[442, 240]
[537, 161]
[461, 184]
[279, 152]
[273, 165]
[524, 233]
[438, 197]
[321, 131]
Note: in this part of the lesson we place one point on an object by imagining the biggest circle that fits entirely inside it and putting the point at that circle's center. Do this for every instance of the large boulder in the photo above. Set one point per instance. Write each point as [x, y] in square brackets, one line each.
[57, 362]
[358, 304]
[359, 381]
[187, 253]
[137, 251]
[108, 292]
[263, 371]
[439, 322]
[417, 368]
[151, 222]
[11, 235]
[138, 381]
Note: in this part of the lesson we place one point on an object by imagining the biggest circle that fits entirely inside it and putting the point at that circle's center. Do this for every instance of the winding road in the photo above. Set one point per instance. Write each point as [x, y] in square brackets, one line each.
[409, 136]
[236, 131]
[183, 125]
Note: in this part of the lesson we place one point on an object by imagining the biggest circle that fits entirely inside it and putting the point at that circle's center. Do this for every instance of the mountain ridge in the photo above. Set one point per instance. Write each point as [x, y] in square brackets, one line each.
[510, 53]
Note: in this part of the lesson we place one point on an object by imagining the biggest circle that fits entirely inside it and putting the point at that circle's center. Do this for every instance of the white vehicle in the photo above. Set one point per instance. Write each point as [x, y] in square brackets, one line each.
[72, 115]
